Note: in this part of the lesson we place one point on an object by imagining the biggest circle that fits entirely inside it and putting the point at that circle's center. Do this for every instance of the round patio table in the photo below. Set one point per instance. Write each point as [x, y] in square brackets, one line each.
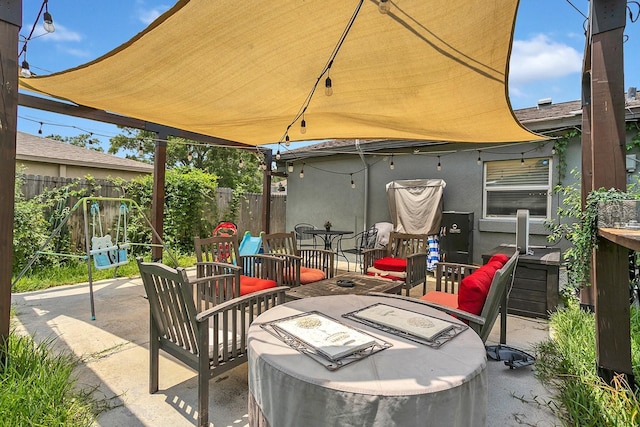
[328, 236]
[408, 384]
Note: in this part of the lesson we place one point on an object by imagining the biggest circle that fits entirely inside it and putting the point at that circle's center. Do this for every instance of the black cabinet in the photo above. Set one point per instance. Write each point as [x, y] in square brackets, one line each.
[456, 237]
[535, 286]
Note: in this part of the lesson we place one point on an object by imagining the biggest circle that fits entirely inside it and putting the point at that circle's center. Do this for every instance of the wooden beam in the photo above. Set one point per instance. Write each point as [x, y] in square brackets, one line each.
[610, 269]
[10, 21]
[158, 194]
[266, 192]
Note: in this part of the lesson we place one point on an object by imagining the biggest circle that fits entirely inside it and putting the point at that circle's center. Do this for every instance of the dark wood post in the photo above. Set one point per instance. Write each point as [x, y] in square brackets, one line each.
[266, 192]
[157, 204]
[10, 22]
[607, 142]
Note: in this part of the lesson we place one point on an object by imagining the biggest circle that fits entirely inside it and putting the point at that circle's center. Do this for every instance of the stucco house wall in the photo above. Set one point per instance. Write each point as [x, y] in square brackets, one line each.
[325, 192]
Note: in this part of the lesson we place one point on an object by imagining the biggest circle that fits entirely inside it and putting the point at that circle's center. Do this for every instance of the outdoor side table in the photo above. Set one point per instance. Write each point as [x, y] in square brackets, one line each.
[408, 384]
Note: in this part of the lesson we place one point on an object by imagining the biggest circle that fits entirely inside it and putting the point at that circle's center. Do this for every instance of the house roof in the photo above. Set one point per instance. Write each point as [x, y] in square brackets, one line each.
[545, 117]
[44, 150]
[250, 71]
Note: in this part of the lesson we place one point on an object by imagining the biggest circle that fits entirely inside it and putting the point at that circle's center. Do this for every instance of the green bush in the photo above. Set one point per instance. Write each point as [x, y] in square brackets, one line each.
[567, 363]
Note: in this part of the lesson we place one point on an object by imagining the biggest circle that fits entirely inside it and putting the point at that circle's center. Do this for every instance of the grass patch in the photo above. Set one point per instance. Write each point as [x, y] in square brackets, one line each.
[567, 363]
[37, 387]
[75, 271]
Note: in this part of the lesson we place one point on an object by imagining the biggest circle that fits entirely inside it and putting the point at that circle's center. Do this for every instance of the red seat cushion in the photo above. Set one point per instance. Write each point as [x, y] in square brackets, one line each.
[473, 291]
[253, 284]
[391, 264]
[442, 298]
[502, 258]
[310, 275]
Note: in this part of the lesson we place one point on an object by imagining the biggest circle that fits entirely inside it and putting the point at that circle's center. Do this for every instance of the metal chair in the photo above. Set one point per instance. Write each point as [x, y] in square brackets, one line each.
[300, 230]
[361, 241]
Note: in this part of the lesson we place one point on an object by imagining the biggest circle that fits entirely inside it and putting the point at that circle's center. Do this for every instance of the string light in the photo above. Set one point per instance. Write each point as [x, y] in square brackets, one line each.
[553, 149]
[302, 171]
[439, 167]
[391, 165]
[189, 154]
[353, 184]
[278, 154]
[290, 167]
[263, 166]
[522, 159]
[287, 142]
[241, 163]
[479, 161]
[328, 87]
[384, 6]
[303, 126]
[40, 130]
[47, 19]
[24, 67]
[140, 150]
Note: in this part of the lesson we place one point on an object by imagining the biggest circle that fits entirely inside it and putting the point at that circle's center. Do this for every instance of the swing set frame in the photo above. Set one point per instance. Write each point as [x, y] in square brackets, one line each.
[117, 253]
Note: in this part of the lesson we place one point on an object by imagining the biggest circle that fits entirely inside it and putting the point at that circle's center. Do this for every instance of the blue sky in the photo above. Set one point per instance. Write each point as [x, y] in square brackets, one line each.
[546, 57]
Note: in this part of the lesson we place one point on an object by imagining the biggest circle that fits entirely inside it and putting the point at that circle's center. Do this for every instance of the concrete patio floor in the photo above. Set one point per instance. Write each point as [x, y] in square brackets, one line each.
[114, 353]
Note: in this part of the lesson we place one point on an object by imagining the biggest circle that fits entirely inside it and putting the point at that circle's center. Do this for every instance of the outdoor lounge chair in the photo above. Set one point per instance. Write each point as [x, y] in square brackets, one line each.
[477, 289]
[199, 325]
[301, 266]
[220, 255]
[404, 258]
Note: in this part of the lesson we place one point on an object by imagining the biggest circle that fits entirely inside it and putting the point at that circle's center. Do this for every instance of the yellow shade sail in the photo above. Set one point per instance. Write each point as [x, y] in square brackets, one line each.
[245, 70]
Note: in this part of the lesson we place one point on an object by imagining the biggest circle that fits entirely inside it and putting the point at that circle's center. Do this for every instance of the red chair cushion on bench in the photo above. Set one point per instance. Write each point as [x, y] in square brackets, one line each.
[391, 264]
[474, 290]
[310, 275]
[502, 258]
[253, 284]
[442, 298]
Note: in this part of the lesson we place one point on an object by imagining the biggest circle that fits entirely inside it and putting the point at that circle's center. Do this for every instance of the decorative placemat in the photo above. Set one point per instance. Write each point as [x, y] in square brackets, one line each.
[422, 328]
[326, 340]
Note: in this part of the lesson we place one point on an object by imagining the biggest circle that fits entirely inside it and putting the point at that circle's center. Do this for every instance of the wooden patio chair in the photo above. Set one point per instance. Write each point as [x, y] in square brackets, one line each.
[456, 279]
[404, 258]
[301, 266]
[221, 254]
[197, 324]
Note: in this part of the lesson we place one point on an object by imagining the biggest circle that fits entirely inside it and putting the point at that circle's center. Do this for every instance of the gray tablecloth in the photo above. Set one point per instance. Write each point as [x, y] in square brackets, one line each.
[409, 384]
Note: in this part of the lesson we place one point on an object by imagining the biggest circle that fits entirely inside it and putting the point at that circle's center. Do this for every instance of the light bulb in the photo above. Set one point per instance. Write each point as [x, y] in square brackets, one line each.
[439, 167]
[241, 164]
[263, 166]
[189, 156]
[24, 70]
[303, 126]
[40, 130]
[391, 165]
[290, 167]
[328, 89]
[522, 159]
[553, 150]
[286, 140]
[479, 161]
[140, 150]
[48, 23]
[384, 6]
[301, 173]
[353, 184]
[278, 155]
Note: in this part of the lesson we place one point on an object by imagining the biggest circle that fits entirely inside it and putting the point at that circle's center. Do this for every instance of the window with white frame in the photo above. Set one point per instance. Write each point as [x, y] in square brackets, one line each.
[510, 185]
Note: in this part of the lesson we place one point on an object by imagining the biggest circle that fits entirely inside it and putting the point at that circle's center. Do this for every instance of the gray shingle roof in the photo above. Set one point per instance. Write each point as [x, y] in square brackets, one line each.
[37, 149]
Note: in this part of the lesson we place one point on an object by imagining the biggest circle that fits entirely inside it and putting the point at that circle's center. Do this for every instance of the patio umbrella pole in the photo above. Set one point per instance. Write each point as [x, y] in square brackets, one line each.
[86, 240]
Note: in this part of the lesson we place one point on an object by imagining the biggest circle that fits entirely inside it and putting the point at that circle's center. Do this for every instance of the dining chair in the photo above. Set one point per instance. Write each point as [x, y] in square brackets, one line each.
[304, 238]
[361, 241]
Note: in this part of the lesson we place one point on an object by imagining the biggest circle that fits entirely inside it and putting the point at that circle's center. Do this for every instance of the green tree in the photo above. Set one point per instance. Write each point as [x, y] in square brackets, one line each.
[235, 168]
[85, 140]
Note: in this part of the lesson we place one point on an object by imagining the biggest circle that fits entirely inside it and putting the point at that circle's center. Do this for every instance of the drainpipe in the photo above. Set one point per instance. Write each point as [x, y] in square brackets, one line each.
[366, 186]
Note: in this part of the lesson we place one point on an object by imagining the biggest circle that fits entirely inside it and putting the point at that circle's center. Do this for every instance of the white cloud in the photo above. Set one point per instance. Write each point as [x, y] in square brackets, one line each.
[147, 16]
[540, 58]
[62, 34]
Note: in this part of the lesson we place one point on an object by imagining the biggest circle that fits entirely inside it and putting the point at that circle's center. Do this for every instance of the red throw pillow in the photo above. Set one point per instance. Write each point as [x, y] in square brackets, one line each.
[442, 298]
[253, 284]
[473, 291]
[310, 275]
[385, 276]
[502, 258]
[391, 264]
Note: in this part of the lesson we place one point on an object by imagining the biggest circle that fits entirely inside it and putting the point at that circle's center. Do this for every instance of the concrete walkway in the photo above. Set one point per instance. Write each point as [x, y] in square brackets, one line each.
[114, 353]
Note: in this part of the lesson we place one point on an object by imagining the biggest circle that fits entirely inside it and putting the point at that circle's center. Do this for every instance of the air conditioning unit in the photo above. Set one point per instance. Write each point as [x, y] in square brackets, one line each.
[522, 231]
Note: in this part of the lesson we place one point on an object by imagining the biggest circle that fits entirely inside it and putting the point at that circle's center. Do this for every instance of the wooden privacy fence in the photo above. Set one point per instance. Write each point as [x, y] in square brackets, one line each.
[249, 217]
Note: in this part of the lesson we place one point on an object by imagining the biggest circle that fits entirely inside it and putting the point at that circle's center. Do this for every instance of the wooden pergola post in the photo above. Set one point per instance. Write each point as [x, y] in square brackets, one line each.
[604, 167]
[10, 22]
